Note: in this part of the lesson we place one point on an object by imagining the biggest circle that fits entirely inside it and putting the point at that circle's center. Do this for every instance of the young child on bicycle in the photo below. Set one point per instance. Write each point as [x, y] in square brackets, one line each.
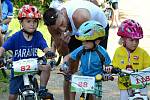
[24, 45]
[91, 55]
[129, 56]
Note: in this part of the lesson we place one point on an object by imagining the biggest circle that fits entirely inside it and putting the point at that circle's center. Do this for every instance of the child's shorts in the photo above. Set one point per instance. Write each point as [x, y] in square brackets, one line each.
[98, 89]
[16, 83]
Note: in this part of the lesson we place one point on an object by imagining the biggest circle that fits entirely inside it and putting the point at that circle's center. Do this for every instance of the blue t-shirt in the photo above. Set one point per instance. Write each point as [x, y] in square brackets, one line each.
[23, 49]
[90, 61]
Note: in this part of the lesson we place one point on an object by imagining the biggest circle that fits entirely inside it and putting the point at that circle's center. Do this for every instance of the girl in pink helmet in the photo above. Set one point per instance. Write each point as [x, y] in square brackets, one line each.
[24, 44]
[129, 56]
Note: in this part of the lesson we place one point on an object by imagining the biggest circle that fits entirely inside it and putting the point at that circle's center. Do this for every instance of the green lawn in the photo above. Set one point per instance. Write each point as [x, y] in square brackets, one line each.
[15, 26]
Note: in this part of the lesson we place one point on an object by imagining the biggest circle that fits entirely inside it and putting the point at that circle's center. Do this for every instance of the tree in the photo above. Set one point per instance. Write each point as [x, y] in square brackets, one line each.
[41, 4]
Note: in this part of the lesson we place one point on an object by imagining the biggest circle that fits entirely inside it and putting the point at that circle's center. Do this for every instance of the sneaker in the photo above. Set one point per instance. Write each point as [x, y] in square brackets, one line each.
[44, 94]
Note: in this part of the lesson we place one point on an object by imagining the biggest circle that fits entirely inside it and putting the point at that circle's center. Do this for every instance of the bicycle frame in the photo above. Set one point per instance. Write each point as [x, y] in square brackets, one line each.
[139, 80]
[30, 91]
[86, 86]
[28, 69]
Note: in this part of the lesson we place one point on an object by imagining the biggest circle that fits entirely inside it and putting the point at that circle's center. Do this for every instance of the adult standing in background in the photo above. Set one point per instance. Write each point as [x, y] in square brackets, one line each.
[115, 16]
[63, 23]
[6, 16]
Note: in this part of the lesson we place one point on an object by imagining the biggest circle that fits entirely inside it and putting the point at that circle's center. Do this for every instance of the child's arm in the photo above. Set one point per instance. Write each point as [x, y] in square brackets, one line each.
[66, 58]
[2, 50]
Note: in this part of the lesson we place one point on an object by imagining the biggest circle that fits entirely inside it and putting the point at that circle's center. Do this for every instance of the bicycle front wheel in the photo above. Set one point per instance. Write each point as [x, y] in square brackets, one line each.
[29, 98]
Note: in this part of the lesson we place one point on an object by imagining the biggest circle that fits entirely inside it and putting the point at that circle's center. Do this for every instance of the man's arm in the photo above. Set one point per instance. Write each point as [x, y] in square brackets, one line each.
[7, 21]
[95, 2]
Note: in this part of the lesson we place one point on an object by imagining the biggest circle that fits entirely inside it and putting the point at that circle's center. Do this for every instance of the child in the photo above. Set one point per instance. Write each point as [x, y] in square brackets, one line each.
[24, 45]
[129, 56]
[92, 56]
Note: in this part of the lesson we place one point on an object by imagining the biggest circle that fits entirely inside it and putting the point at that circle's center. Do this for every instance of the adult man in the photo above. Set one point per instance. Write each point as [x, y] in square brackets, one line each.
[63, 24]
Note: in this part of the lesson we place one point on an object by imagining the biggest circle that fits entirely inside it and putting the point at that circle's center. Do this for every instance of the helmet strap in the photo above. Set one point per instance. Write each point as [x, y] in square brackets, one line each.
[94, 45]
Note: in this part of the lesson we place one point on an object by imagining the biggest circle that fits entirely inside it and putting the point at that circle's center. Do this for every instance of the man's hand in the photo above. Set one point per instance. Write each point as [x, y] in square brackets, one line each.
[65, 37]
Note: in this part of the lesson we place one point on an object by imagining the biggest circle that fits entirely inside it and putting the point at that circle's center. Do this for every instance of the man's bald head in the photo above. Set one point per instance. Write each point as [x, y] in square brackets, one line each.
[81, 15]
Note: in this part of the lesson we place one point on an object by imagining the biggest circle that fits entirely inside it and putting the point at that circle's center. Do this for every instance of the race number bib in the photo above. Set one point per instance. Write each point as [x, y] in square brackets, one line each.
[83, 84]
[25, 66]
[139, 79]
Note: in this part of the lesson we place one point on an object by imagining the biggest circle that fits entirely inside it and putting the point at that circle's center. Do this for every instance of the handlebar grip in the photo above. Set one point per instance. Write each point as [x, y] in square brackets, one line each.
[98, 77]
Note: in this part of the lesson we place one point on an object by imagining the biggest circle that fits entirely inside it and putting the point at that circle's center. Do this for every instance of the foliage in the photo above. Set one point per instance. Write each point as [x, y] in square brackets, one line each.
[40, 4]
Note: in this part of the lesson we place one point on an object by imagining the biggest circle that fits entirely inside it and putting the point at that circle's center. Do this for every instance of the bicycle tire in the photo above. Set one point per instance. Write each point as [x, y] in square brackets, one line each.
[29, 98]
[35, 84]
[138, 98]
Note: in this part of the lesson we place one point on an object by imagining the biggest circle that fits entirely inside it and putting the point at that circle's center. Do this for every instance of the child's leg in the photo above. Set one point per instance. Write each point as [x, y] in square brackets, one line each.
[123, 95]
[72, 95]
[12, 97]
[66, 89]
[96, 98]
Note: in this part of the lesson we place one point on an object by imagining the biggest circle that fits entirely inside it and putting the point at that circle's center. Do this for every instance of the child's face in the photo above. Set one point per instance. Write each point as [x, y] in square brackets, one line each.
[131, 44]
[88, 44]
[30, 25]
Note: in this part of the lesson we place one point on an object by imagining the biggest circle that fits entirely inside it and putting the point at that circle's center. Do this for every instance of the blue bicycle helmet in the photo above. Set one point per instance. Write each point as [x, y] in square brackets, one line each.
[90, 30]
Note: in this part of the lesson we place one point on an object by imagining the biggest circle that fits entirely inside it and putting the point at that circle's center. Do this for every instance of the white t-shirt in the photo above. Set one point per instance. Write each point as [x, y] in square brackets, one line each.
[56, 4]
[114, 0]
[96, 13]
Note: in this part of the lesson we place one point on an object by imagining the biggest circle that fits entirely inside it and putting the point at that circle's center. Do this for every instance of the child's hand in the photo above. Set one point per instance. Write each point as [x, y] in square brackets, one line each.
[50, 55]
[107, 77]
[65, 67]
[108, 69]
[129, 67]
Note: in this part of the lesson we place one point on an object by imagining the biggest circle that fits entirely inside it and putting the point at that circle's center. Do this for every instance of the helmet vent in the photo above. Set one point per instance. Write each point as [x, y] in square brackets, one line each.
[99, 25]
[33, 9]
[87, 31]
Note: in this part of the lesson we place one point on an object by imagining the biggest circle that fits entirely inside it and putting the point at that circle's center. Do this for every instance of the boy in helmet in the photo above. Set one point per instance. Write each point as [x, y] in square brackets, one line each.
[129, 56]
[24, 45]
[91, 55]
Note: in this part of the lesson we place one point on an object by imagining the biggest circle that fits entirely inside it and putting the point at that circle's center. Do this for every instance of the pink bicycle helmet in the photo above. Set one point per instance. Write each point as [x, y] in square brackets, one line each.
[130, 29]
[29, 11]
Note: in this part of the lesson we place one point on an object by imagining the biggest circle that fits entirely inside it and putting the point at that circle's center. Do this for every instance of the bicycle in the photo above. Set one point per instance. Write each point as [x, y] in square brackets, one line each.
[86, 85]
[139, 80]
[28, 69]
